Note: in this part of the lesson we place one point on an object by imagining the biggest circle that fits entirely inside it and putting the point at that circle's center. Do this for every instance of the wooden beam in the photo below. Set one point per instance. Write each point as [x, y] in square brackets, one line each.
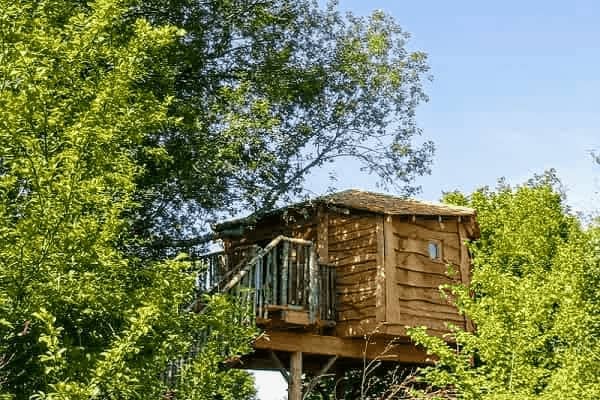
[341, 347]
[295, 317]
[323, 235]
[279, 366]
[380, 292]
[320, 374]
[295, 382]
[465, 267]
[391, 291]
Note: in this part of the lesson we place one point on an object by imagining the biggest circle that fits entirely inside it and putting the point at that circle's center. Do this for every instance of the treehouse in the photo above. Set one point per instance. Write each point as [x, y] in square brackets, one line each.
[322, 274]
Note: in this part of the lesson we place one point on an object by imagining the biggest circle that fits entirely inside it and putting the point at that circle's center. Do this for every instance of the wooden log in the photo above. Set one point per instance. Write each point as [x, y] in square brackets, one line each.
[299, 277]
[306, 275]
[284, 273]
[260, 286]
[332, 294]
[295, 383]
[268, 292]
[275, 277]
[314, 285]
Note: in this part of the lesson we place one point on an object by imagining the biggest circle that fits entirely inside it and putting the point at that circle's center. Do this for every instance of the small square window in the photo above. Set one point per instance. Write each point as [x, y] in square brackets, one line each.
[434, 251]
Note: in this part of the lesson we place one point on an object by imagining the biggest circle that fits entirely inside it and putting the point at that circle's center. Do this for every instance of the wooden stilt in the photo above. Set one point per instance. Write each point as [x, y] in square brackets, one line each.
[279, 366]
[295, 382]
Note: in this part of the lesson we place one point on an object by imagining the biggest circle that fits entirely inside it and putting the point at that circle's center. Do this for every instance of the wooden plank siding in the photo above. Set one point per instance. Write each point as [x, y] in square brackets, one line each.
[414, 278]
[353, 247]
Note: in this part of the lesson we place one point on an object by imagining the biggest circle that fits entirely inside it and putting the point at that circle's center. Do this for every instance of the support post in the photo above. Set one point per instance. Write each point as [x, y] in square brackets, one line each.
[279, 366]
[295, 382]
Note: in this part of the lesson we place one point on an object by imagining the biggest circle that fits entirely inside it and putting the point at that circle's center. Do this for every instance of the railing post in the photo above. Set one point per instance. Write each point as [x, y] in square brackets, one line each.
[313, 304]
[284, 273]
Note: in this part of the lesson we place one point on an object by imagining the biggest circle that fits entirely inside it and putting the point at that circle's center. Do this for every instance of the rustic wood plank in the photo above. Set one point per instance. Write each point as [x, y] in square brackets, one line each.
[337, 346]
[421, 279]
[340, 233]
[343, 258]
[419, 263]
[414, 230]
[391, 290]
[358, 276]
[323, 235]
[361, 313]
[380, 281]
[432, 224]
[427, 306]
[405, 292]
[431, 323]
[420, 246]
[465, 267]
[356, 299]
[358, 305]
[352, 220]
[399, 331]
[343, 235]
[358, 243]
[296, 317]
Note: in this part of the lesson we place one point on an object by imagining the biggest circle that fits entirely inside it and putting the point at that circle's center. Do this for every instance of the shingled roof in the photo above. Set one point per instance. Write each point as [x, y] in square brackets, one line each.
[391, 205]
[367, 201]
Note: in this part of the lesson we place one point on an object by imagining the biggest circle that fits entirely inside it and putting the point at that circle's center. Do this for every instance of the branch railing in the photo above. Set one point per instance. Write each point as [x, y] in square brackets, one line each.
[284, 273]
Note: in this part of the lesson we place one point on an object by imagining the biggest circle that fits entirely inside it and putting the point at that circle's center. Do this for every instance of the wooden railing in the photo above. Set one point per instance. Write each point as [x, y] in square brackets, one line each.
[284, 273]
[217, 267]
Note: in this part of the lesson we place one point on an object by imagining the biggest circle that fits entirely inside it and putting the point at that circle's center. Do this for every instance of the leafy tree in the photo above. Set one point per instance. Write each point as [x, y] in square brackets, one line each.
[268, 91]
[79, 319]
[533, 298]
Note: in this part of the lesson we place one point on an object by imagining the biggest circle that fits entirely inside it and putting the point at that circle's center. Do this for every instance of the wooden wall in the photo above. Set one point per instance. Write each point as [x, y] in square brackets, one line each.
[386, 279]
[413, 279]
[355, 244]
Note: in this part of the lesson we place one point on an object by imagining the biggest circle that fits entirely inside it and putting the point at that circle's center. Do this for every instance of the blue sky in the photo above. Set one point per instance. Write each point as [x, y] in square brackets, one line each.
[516, 90]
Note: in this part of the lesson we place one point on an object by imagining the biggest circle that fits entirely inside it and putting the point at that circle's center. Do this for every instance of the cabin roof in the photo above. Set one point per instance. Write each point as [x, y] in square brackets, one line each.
[366, 201]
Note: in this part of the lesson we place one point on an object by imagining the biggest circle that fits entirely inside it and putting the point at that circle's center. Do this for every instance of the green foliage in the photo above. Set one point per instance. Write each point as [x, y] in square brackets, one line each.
[266, 92]
[80, 319]
[533, 298]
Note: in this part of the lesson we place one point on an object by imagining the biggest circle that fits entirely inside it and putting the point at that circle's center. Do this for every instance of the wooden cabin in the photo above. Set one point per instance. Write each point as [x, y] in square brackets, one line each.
[326, 272]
